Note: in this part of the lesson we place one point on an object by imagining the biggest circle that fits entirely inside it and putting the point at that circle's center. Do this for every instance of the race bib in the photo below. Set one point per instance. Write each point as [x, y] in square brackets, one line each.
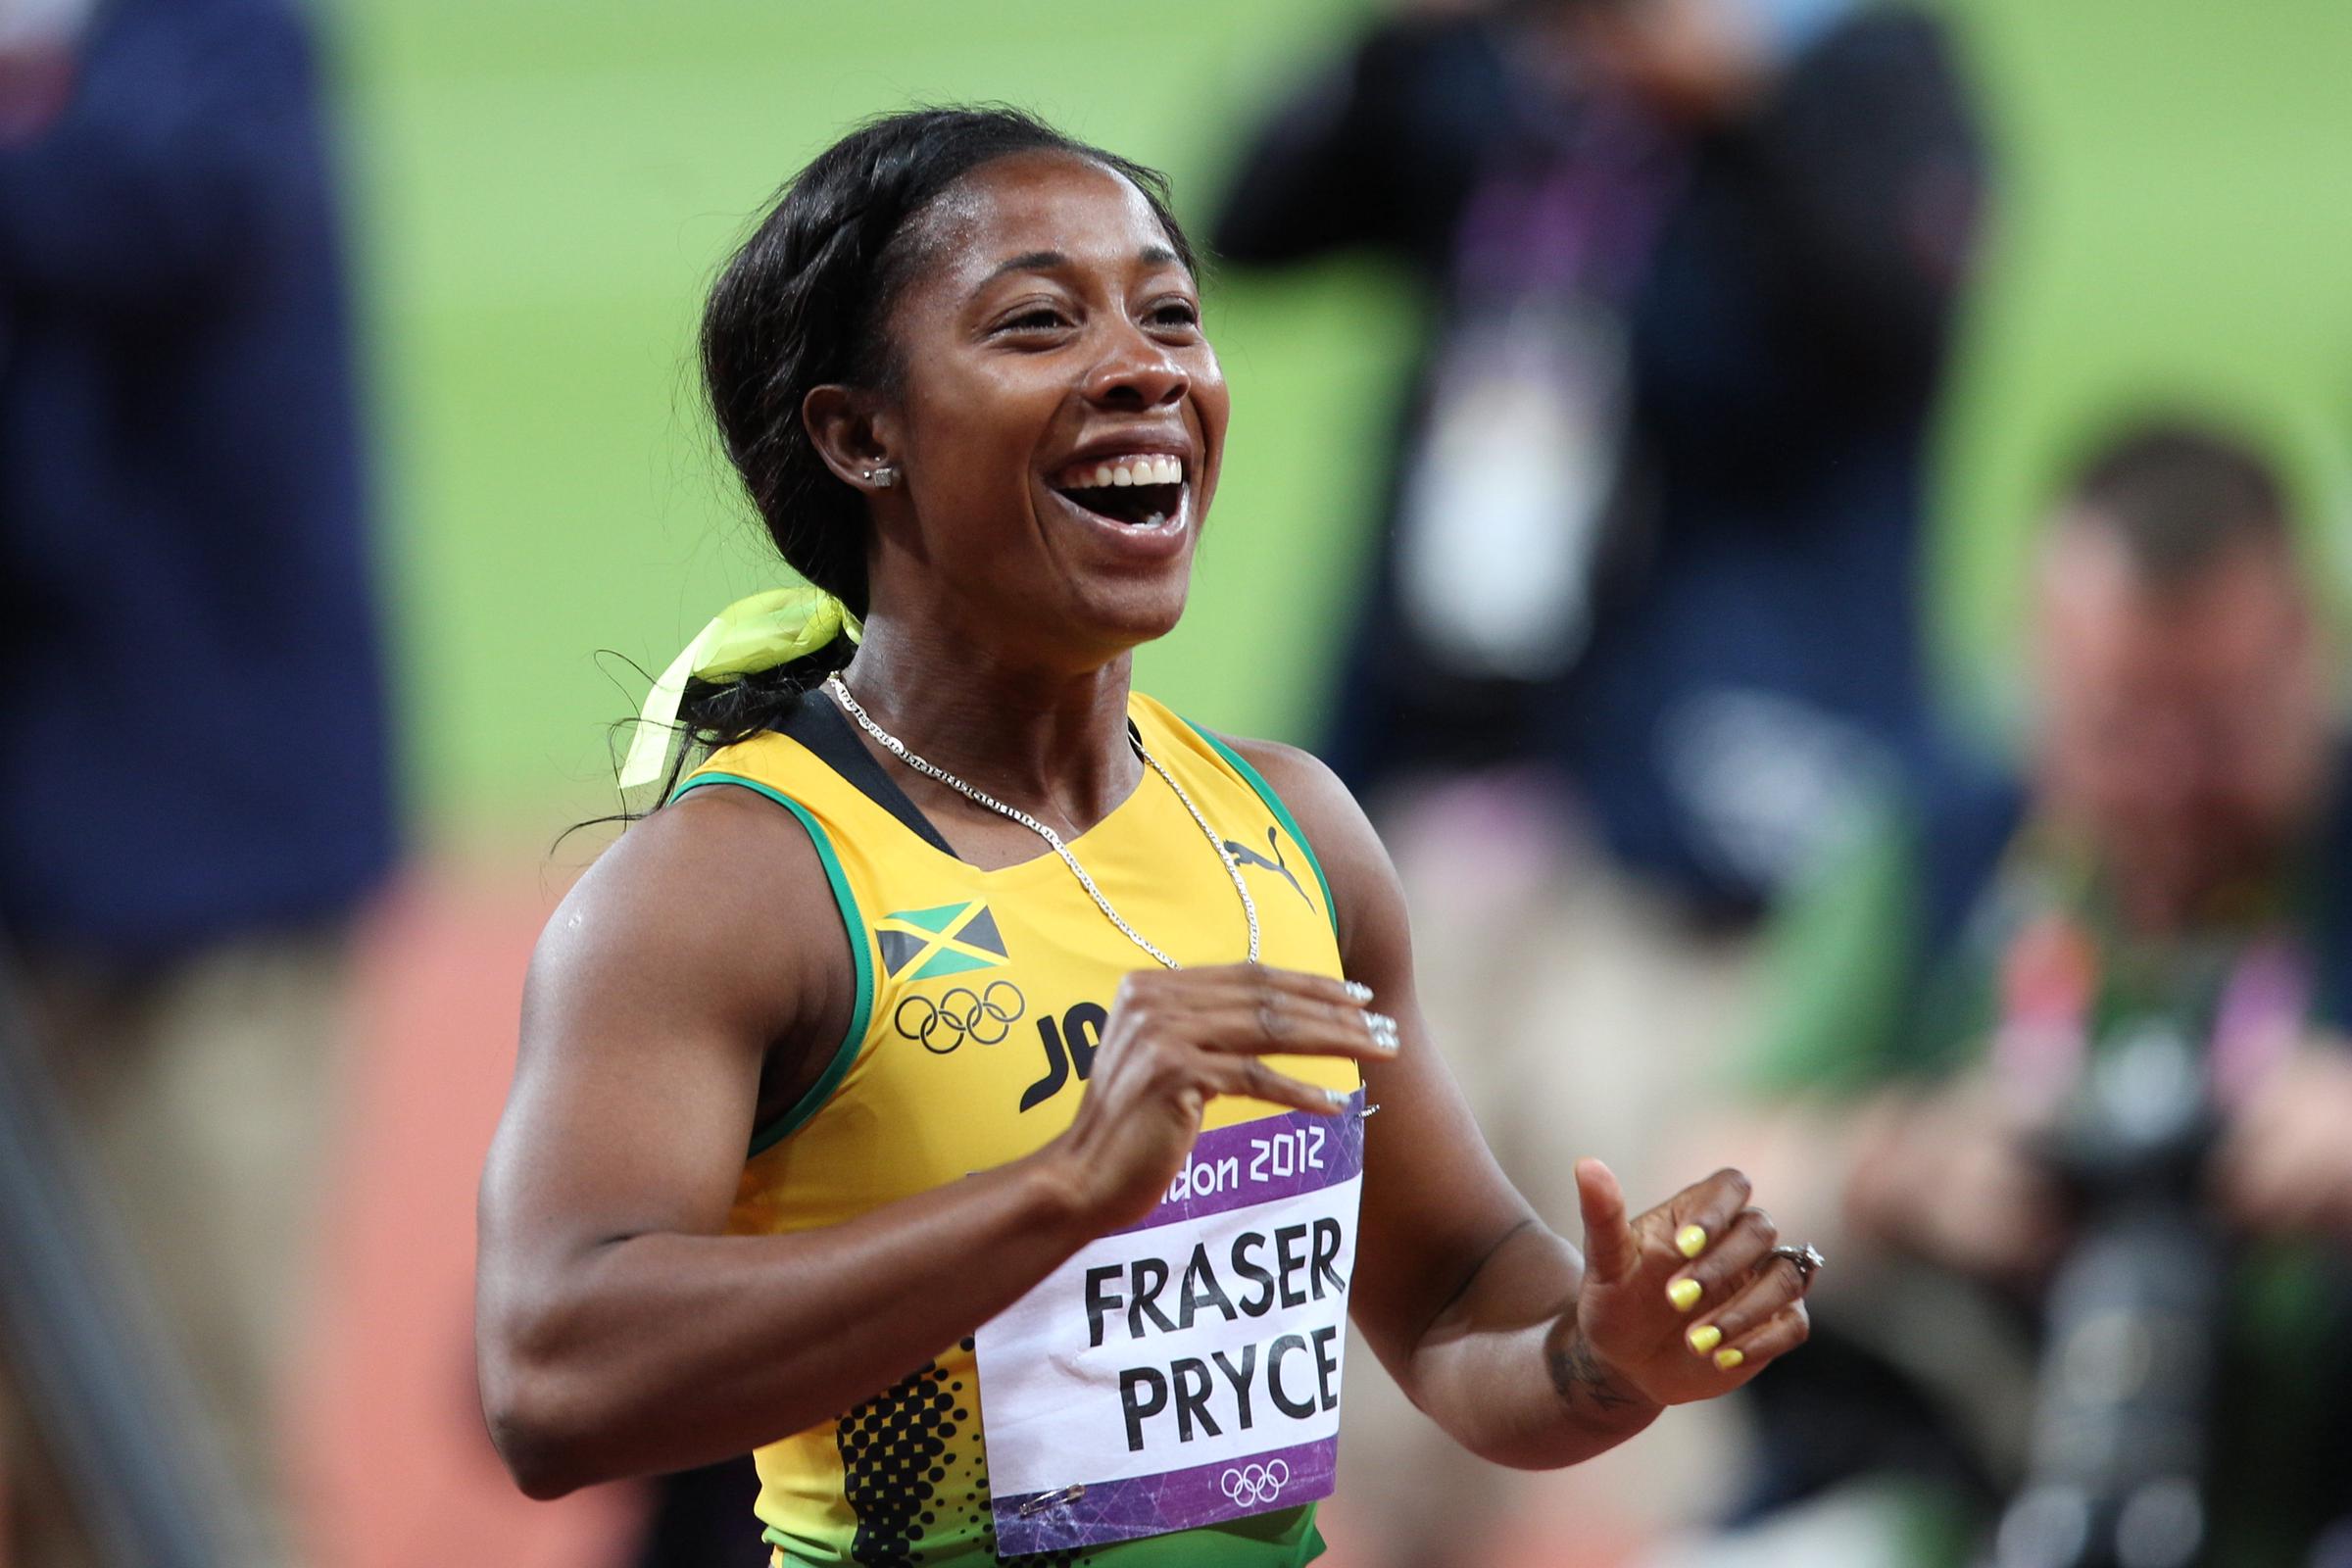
[1185, 1370]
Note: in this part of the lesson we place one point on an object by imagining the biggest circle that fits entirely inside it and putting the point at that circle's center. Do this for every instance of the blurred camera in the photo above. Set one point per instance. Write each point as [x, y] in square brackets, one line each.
[2131, 1322]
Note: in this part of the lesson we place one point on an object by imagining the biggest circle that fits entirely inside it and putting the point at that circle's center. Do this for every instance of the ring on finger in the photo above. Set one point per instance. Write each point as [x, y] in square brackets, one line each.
[1804, 1258]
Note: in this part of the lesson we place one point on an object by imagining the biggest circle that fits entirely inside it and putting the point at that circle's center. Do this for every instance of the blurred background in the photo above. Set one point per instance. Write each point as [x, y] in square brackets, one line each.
[1658, 426]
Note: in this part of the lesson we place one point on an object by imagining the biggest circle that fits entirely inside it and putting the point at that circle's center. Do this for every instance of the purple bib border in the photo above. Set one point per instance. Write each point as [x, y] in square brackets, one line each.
[1244, 1165]
[1172, 1500]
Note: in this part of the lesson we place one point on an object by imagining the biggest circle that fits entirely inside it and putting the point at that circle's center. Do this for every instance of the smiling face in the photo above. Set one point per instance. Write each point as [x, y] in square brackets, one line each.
[1057, 413]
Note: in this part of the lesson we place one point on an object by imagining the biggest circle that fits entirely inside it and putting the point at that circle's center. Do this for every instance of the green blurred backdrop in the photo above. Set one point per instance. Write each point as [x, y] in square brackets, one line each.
[547, 185]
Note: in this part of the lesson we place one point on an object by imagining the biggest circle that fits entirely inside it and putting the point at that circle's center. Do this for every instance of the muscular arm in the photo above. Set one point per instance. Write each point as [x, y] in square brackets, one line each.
[1528, 1353]
[1466, 1296]
[618, 1331]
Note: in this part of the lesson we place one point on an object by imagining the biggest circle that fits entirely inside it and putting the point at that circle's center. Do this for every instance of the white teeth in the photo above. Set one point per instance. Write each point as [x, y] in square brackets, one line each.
[1143, 468]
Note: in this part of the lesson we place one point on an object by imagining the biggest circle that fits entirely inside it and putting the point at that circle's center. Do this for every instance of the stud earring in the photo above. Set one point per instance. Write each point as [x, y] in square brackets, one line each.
[883, 478]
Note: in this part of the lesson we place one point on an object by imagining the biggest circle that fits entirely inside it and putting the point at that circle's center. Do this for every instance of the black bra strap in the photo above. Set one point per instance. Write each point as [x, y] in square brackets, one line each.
[819, 724]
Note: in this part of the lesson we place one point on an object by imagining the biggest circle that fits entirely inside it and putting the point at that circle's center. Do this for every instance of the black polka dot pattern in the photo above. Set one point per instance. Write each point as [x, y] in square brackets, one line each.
[915, 1476]
[894, 1454]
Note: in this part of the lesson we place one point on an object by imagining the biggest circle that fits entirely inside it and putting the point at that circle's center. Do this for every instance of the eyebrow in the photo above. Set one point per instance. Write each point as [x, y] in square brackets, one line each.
[1050, 261]
[1029, 261]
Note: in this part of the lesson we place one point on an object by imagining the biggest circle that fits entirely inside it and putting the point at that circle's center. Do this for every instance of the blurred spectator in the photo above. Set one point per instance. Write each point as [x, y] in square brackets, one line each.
[1649, 551]
[2068, 1054]
[1695, 263]
[192, 719]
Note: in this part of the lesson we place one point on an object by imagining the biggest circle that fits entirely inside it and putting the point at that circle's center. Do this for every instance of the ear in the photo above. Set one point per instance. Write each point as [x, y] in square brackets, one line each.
[844, 425]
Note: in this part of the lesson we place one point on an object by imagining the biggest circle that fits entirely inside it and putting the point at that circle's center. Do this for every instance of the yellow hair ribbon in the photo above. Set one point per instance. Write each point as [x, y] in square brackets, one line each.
[750, 635]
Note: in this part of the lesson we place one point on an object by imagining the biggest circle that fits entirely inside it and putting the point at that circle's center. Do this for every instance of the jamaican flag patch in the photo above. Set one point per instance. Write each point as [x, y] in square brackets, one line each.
[925, 944]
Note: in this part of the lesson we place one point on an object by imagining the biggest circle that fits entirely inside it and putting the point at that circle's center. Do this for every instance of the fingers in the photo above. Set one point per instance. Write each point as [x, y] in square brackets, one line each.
[1252, 978]
[1726, 1264]
[1611, 1252]
[1708, 1207]
[1768, 1290]
[1245, 1008]
[2299, 1180]
[1285, 1025]
[1751, 1351]
[2283, 1165]
[1207, 1032]
[1249, 1076]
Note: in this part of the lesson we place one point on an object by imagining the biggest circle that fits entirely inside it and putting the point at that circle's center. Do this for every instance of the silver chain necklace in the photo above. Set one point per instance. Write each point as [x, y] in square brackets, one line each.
[898, 748]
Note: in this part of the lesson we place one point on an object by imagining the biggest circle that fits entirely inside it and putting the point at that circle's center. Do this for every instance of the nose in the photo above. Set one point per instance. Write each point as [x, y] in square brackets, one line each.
[1136, 372]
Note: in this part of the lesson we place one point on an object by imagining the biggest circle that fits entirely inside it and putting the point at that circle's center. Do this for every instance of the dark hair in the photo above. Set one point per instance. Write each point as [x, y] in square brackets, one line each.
[804, 301]
[2179, 495]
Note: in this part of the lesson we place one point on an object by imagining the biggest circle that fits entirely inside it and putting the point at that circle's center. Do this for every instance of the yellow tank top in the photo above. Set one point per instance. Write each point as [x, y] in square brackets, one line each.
[981, 998]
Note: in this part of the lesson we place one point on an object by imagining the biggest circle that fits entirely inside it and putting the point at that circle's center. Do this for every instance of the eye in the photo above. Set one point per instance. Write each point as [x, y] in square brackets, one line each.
[1032, 319]
[1176, 313]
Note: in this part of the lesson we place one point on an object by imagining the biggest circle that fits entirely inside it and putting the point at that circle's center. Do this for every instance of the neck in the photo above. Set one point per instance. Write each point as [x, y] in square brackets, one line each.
[1049, 741]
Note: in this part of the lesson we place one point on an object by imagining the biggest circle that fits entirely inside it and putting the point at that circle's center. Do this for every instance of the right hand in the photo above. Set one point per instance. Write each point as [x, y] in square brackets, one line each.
[1178, 1037]
[1635, 1334]
[1951, 1175]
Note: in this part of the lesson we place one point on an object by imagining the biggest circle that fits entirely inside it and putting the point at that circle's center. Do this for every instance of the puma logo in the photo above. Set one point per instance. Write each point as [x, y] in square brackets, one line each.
[1250, 857]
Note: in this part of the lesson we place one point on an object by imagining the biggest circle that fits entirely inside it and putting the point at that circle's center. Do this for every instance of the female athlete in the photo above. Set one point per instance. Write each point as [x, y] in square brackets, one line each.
[1053, 1026]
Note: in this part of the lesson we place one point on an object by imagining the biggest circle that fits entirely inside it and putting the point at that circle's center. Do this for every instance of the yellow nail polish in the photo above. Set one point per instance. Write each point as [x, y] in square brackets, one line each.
[1724, 1361]
[1690, 1241]
[1684, 1293]
[1705, 1338]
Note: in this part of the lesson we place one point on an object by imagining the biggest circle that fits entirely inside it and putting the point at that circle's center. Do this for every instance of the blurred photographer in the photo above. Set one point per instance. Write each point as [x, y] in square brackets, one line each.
[2068, 1056]
[1651, 525]
[1635, 630]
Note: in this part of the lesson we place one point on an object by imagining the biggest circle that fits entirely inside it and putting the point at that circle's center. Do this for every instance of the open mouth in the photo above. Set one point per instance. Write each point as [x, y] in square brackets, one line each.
[1138, 492]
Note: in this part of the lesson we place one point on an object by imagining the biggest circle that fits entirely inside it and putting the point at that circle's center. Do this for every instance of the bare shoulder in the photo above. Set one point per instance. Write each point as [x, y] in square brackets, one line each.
[1364, 890]
[715, 908]
[688, 982]
[1307, 784]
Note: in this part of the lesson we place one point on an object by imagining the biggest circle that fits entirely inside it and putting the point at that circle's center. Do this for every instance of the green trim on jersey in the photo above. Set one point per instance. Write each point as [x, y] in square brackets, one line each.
[1282, 815]
[820, 1091]
[1287, 1537]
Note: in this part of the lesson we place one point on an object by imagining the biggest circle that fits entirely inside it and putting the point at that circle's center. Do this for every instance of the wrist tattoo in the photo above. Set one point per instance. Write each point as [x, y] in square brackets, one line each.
[1577, 1376]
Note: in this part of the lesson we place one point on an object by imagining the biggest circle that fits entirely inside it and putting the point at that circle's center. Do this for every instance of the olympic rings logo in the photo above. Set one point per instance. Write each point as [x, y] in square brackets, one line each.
[1255, 1484]
[985, 1017]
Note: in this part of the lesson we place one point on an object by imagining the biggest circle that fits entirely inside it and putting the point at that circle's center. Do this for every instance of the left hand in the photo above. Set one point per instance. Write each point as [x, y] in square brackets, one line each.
[2285, 1165]
[1626, 1326]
